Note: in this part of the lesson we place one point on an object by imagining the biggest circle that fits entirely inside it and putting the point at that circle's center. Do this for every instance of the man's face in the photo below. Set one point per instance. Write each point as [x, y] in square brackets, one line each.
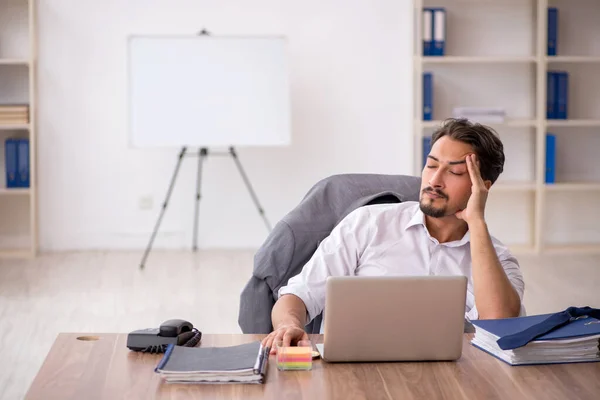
[445, 183]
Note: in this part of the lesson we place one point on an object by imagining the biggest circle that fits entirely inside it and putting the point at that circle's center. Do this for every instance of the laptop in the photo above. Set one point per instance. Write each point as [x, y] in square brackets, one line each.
[392, 318]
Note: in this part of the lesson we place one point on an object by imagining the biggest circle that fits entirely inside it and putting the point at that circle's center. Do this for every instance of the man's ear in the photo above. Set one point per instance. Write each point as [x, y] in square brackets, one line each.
[488, 184]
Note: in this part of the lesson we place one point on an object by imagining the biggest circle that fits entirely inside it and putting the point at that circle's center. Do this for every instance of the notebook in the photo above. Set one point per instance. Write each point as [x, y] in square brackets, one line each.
[578, 341]
[246, 363]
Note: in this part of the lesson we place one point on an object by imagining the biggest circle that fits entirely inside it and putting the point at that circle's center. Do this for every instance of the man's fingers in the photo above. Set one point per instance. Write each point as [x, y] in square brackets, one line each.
[474, 173]
[289, 336]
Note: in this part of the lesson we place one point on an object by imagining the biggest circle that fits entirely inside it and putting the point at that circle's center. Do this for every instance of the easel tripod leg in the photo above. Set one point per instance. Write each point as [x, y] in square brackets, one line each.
[201, 155]
[249, 186]
[164, 207]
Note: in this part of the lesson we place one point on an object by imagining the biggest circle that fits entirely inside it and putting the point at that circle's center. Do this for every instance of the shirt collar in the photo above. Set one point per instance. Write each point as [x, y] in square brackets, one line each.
[418, 218]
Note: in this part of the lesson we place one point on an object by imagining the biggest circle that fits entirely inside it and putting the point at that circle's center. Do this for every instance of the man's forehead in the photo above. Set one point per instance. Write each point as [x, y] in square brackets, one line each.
[451, 161]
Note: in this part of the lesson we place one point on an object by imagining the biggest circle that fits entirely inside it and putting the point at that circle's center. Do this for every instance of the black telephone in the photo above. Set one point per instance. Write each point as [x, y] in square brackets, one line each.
[156, 340]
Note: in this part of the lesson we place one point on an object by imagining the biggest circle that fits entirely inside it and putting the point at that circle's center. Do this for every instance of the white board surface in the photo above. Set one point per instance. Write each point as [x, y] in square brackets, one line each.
[208, 91]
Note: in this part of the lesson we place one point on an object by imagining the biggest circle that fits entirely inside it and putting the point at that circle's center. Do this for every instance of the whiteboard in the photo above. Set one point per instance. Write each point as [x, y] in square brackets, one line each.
[208, 91]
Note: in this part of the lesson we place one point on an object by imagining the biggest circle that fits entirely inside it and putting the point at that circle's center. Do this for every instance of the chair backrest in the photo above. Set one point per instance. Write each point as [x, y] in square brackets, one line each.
[295, 238]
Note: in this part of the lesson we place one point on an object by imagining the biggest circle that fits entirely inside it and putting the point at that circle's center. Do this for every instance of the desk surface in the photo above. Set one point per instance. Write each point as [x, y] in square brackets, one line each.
[106, 369]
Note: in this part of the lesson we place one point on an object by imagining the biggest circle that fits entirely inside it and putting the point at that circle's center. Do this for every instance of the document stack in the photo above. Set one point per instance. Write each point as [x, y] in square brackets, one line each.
[245, 363]
[577, 341]
[14, 114]
[480, 114]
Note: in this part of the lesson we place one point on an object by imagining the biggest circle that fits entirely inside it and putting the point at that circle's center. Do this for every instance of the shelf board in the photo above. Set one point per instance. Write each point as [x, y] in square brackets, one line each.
[14, 61]
[12, 127]
[572, 186]
[513, 187]
[476, 59]
[511, 123]
[16, 253]
[573, 122]
[15, 192]
[589, 248]
[573, 59]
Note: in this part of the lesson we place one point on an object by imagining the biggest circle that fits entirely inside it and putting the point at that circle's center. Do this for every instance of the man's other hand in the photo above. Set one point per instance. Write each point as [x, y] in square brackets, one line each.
[290, 335]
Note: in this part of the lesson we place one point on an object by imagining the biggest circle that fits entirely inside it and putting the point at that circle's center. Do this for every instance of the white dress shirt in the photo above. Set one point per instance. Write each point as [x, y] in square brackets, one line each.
[390, 239]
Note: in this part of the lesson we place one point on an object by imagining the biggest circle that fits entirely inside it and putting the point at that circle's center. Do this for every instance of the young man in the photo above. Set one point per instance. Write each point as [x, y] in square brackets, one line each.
[445, 233]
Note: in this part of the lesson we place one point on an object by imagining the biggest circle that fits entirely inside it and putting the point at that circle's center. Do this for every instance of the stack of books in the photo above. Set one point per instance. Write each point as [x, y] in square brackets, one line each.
[14, 114]
[578, 341]
[245, 363]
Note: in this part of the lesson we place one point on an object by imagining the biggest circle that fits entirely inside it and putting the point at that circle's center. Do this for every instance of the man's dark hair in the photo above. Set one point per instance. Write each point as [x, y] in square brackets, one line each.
[485, 141]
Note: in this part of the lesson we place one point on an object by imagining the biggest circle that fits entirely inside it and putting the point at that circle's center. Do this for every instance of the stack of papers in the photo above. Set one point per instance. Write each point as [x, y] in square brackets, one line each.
[578, 341]
[246, 363]
[14, 114]
[480, 114]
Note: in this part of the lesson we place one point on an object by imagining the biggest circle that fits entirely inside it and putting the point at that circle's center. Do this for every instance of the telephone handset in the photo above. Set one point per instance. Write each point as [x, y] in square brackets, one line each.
[156, 340]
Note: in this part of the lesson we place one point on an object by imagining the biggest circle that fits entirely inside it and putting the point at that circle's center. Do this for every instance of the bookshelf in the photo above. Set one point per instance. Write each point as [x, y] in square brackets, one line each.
[496, 56]
[18, 57]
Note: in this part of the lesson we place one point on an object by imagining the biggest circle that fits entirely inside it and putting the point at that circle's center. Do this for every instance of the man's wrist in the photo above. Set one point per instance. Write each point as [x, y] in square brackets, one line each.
[289, 324]
[477, 222]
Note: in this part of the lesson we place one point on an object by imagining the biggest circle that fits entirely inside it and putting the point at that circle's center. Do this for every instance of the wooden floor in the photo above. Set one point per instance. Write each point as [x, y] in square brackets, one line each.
[107, 292]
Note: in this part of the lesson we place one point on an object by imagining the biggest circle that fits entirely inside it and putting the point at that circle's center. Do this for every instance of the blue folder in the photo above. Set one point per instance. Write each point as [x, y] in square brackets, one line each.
[508, 326]
[11, 163]
[562, 95]
[550, 173]
[439, 32]
[23, 168]
[427, 31]
[427, 96]
[552, 31]
[551, 100]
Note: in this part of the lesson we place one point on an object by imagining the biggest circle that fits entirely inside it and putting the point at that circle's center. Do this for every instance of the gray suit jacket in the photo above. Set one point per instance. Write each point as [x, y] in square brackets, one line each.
[295, 238]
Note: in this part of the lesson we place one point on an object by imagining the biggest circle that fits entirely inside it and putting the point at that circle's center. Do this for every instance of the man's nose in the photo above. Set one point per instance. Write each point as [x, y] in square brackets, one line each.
[436, 180]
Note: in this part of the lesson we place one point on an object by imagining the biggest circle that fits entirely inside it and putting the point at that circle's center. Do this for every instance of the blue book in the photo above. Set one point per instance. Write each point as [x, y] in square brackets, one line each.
[427, 96]
[426, 148]
[550, 173]
[10, 159]
[551, 105]
[562, 94]
[427, 31]
[576, 341]
[552, 31]
[439, 32]
[23, 163]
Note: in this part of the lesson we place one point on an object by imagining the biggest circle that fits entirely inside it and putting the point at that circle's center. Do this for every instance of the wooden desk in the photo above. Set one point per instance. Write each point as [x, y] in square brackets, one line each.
[106, 369]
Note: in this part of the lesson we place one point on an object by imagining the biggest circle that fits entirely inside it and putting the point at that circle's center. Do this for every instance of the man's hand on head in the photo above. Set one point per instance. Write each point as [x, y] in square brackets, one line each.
[475, 210]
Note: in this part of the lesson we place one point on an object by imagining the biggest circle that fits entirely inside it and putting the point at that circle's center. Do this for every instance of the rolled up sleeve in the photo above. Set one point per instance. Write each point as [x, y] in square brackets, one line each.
[513, 271]
[337, 255]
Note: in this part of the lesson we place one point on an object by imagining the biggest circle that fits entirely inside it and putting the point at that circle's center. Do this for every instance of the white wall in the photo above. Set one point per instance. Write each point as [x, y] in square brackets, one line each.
[351, 103]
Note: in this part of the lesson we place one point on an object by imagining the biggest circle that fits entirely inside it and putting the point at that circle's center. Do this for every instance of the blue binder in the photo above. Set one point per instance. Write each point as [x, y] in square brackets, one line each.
[11, 164]
[550, 173]
[562, 95]
[427, 31]
[427, 96]
[552, 31]
[23, 169]
[551, 100]
[439, 32]
[426, 148]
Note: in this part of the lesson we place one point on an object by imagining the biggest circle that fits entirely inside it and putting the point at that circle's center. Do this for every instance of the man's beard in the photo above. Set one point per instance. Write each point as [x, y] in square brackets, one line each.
[429, 209]
[432, 211]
